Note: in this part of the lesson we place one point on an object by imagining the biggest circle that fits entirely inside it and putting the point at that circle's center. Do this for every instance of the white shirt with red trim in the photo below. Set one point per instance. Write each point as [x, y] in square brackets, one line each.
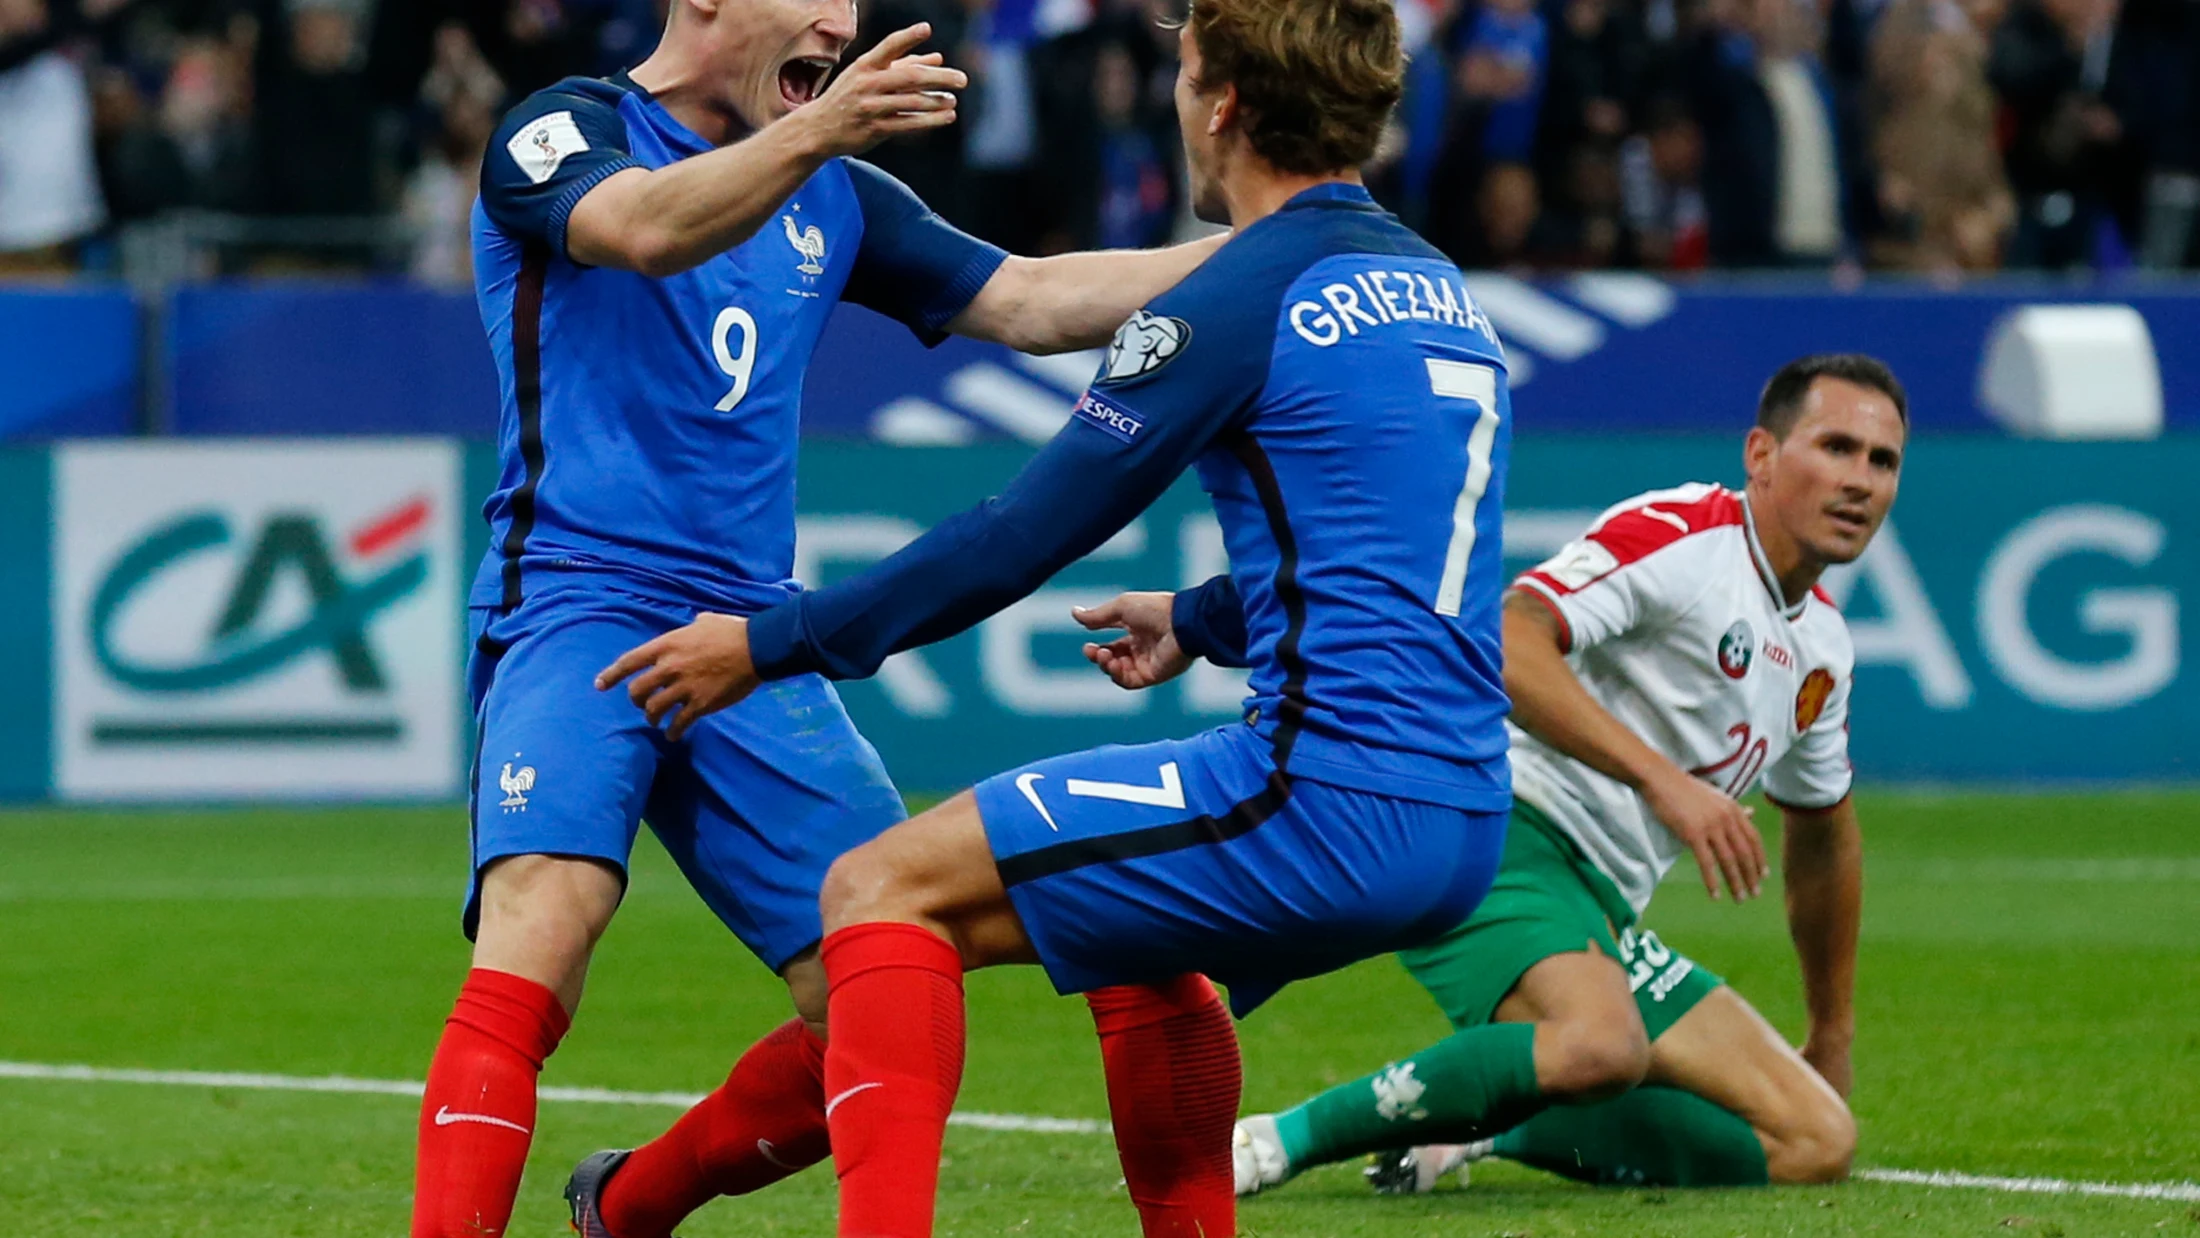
[1674, 622]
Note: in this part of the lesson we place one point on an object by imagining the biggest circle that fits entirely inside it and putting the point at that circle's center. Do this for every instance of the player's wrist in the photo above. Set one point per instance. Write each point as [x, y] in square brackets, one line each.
[776, 648]
[808, 135]
[1659, 780]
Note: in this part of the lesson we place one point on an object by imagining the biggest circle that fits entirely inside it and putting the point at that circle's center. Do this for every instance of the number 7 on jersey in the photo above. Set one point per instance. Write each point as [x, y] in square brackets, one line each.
[1462, 380]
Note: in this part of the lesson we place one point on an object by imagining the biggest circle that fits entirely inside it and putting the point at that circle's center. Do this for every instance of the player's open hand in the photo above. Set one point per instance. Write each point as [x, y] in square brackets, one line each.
[883, 92]
[1716, 828]
[1147, 653]
[687, 673]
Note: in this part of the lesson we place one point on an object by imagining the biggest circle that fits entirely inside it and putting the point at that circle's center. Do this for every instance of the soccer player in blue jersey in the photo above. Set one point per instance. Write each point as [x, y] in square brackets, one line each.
[1344, 403]
[657, 254]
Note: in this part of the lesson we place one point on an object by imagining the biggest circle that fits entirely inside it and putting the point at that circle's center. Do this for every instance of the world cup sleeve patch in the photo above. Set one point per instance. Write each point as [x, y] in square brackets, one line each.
[545, 142]
[1143, 344]
[1121, 423]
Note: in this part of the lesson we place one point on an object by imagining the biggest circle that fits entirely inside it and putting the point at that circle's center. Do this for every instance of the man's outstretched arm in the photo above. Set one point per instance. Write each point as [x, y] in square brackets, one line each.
[1209, 622]
[1071, 301]
[1550, 703]
[1073, 496]
[1823, 864]
[1076, 493]
[1163, 633]
[664, 221]
[1127, 439]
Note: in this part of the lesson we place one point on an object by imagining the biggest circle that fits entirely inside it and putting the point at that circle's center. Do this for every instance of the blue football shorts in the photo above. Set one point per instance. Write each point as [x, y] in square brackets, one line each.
[1137, 864]
[754, 803]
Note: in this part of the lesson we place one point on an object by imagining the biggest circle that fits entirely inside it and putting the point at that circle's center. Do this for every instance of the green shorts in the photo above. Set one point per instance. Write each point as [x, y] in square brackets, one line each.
[1549, 899]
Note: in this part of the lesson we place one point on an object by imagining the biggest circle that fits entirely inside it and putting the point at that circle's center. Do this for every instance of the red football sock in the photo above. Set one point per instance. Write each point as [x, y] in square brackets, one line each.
[765, 1123]
[479, 1112]
[891, 1072]
[1173, 1081]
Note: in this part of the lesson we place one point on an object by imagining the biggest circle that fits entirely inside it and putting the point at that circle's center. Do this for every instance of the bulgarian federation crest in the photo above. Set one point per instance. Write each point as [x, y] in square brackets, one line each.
[1736, 648]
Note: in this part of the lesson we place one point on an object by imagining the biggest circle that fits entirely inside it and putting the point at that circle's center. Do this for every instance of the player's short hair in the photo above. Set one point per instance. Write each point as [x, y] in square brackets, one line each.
[1781, 405]
[1316, 79]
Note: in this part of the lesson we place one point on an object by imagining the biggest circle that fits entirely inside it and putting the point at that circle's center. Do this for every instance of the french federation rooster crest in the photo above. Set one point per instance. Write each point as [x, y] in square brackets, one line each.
[809, 242]
[516, 785]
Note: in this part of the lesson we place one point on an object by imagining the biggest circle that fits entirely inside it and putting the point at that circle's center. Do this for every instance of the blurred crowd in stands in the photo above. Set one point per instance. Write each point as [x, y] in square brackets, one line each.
[1936, 136]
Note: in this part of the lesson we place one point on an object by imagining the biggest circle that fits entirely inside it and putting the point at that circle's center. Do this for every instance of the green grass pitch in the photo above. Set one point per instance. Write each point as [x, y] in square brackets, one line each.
[2030, 1006]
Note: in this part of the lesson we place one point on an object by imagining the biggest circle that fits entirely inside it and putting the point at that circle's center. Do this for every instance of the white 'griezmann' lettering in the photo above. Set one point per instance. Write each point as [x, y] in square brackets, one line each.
[1447, 305]
[1342, 299]
[1384, 298]
[1475, 318]
[1314, 324]
[1389, 299]
[1413, 299]
[1368, 290]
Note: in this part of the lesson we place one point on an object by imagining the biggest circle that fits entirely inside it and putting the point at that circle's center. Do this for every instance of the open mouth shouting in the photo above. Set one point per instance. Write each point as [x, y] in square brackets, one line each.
[803, 79]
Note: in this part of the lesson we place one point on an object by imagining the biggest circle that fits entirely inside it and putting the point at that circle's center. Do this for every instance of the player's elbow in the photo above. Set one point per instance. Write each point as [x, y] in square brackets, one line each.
[1009, 310]
[1045, 346]
[655, 252]
[620, 224]
[643, 249]
[1529, 625]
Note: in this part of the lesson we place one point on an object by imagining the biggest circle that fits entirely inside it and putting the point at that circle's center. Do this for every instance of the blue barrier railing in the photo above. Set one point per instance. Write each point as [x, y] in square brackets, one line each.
[69, 362]
[1591, 354]
[295, 358]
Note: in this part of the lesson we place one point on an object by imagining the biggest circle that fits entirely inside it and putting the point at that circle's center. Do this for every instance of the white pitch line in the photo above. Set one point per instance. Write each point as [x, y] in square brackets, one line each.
[231, 889]
[210, 1079]
[2087, 871]
[2183, 1191]
[1023, 1123]
[408, 1088]
[2131, 870]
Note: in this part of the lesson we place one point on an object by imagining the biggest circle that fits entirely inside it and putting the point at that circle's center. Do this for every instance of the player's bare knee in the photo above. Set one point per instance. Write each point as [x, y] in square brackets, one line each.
[843, 896]
[541, 916]
[1591, 1060]
[559, 903]
[862, 886]
[1817, 1146]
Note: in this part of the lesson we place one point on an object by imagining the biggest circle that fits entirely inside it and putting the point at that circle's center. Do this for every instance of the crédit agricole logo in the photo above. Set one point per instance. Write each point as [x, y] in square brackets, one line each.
[253, 618]
[251, 636]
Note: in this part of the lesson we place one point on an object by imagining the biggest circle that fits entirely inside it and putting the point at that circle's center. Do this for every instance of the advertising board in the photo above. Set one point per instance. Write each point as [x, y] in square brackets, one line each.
[265, 619]
[248, 619]
[2021, 619]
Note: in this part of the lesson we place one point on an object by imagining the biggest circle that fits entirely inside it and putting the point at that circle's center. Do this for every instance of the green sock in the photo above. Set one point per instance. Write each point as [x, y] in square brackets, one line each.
[1652, 1136]
[1468, 1086]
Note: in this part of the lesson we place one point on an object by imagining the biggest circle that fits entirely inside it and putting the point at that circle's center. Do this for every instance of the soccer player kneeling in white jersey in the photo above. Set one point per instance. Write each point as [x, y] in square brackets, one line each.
[1675, 656]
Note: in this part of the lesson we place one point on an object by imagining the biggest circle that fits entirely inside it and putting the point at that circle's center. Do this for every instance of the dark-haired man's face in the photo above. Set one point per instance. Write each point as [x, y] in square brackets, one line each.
[1829, 482]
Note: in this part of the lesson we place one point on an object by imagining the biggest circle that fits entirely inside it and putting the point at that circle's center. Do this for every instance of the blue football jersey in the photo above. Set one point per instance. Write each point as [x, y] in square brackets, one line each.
[648, 428]
[1345, 403]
